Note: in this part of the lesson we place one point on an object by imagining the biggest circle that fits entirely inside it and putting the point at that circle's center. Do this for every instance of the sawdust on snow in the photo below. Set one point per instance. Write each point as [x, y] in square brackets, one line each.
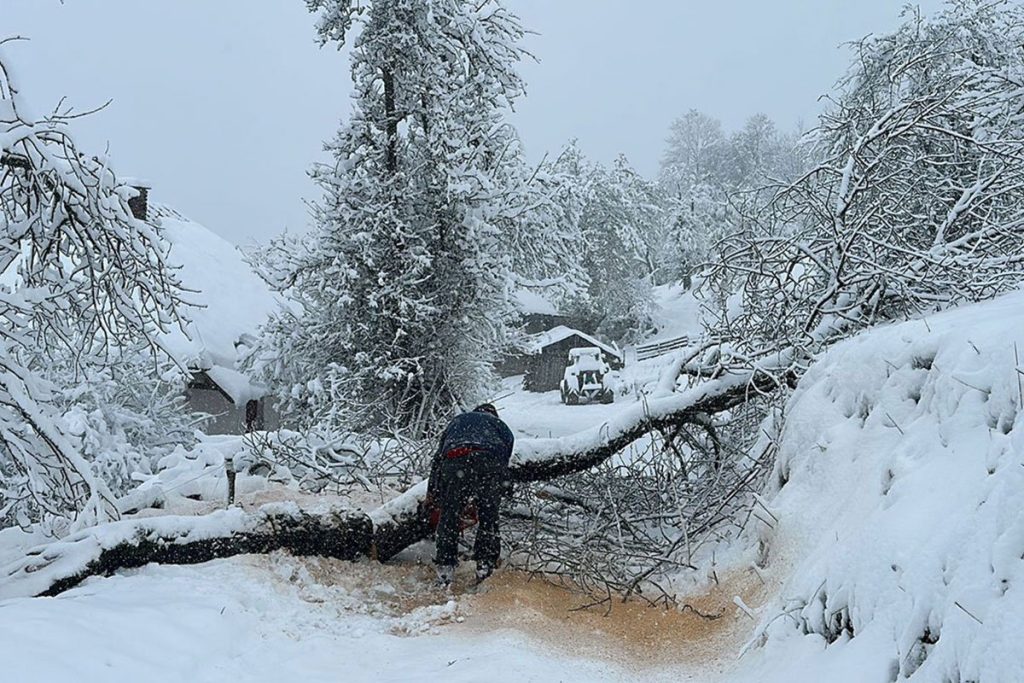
[707, 626]
[706, 631]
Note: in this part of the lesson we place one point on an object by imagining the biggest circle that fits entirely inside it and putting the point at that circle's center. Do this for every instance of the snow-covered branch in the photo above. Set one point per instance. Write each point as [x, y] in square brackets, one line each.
[386, 531]
[917, 203]
[84, 280]
[104, 549]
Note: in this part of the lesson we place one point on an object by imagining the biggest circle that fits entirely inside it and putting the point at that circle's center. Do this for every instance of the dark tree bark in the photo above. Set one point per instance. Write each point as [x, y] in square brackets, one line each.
[390, 121]
[103, 550]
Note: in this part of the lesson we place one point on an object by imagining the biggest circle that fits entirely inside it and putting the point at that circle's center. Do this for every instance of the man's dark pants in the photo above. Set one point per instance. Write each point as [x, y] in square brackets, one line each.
[478, 475]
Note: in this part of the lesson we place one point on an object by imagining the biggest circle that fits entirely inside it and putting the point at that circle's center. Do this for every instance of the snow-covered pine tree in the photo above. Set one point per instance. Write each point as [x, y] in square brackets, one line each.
[429, 215]
[82, 280]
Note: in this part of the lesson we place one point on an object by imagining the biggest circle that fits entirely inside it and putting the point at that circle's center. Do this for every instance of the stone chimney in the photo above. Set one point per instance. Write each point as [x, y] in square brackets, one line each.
[139, 204]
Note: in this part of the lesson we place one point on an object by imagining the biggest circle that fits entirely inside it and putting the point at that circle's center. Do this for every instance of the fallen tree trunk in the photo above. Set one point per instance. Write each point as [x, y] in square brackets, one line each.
[544, 459]
[386, 531]
[107, 548]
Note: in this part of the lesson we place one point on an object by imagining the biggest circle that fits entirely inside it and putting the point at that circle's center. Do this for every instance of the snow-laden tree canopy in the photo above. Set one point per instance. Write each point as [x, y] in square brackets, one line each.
[429, 218]
[620, 221]
[918, 202]
[82, 281]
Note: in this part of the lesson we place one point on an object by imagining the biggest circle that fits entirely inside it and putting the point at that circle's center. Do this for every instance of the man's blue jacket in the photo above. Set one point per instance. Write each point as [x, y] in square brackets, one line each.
[475, 431]
[479, 431]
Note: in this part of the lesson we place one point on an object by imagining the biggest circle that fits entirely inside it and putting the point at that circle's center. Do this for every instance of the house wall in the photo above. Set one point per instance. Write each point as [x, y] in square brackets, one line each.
[512, 365]
[545, 369]
[225, 416]
[139, 204]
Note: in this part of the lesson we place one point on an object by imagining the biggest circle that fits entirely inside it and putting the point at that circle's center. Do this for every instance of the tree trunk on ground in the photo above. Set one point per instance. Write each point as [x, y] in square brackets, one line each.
[104, 549]
[343, 534]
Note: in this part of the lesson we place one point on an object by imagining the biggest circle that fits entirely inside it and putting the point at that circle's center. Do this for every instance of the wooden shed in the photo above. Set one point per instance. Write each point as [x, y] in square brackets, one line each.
[548, 354]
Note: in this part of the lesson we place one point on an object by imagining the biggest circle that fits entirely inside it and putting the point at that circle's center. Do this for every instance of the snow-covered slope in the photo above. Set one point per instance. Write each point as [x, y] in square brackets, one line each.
[900, 508]
[677, 311]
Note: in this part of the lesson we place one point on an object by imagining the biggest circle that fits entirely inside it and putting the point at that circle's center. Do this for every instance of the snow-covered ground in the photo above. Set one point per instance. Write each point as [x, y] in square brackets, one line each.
[279, 618]
[531, 414]
[899, 539]
[676, 312]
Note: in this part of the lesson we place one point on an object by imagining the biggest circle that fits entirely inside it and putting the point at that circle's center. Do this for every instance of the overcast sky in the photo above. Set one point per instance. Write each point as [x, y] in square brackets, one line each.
[223, 104]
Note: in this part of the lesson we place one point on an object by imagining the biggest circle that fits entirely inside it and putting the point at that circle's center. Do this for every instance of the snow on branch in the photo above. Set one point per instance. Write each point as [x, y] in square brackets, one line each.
[86, 279]
[543, 459]
[916, 202]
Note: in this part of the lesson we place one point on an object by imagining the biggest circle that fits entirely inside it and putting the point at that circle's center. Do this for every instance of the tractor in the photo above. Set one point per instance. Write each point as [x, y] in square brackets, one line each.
[586, 378]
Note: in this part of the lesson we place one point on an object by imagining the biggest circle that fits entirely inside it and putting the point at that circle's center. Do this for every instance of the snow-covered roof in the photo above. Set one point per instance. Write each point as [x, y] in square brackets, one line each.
[528, 301]
[228, 301]
[539, 342]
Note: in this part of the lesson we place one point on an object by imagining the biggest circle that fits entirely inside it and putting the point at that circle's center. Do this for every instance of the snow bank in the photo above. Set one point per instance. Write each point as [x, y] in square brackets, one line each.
[899, 494]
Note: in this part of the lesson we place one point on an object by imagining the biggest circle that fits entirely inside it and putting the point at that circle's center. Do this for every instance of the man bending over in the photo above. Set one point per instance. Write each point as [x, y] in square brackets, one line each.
[471, 463]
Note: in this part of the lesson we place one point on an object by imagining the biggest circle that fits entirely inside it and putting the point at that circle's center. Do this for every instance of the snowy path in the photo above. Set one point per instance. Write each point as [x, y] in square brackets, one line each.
[279, 618]
[542, 415]
[536, 415]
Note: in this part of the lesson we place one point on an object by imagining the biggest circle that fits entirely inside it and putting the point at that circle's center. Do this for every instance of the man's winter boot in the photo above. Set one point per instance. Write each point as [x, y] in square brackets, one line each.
[483, 570]
[445, 574]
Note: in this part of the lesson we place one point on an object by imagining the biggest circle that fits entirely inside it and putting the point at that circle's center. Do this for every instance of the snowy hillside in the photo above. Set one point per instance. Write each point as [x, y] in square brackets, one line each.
[677, 311]
[900, 508]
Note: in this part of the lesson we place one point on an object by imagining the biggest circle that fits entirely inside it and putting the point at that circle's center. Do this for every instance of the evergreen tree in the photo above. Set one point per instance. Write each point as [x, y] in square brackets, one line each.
[428, 217]
[618, 219]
